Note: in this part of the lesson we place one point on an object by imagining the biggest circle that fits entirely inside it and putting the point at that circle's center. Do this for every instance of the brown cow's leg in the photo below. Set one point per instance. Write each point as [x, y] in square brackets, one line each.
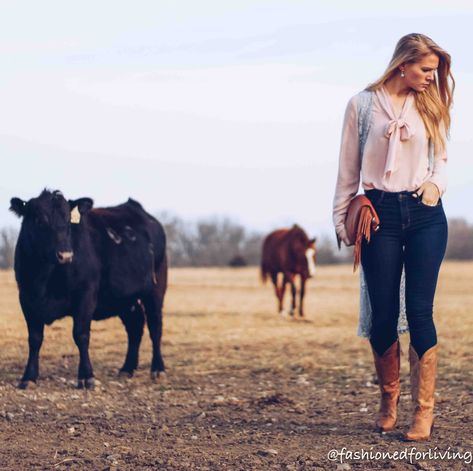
[301, 302]
[277, 290]
[282, 292]
[290, 279]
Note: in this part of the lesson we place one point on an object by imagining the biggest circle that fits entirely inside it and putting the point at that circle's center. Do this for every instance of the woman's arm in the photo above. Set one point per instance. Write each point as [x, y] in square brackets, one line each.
[349, 167]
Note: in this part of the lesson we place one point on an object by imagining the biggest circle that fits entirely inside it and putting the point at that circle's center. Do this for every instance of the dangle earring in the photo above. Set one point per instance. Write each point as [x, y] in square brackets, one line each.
[402, 74]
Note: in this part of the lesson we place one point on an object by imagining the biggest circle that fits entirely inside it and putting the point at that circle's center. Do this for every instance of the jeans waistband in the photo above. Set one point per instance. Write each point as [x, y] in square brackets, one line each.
[390, 194]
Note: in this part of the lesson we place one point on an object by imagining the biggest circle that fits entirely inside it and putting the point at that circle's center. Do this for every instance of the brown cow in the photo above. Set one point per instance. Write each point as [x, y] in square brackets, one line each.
[290, 252]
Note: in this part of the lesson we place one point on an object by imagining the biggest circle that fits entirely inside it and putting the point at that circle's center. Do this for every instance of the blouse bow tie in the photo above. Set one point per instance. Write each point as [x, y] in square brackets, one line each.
[397, 129]
[402, 125]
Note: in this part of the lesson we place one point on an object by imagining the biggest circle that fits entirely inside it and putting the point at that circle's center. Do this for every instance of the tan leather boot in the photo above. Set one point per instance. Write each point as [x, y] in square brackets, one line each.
[423, 374]
[387, 369]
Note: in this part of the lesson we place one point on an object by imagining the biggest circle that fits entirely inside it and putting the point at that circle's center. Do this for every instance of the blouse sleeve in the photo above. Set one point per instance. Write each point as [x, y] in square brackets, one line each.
[439, 172]
[349, 167]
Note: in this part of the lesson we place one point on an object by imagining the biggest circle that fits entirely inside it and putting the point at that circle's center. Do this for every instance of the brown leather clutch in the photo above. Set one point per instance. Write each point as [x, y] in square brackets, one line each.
[360, 220]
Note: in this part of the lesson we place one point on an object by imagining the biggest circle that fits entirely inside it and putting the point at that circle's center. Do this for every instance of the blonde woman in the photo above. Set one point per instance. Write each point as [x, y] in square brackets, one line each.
[394, 134]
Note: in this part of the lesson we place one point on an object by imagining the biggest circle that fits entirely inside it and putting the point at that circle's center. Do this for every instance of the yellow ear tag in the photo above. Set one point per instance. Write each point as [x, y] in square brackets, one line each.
[75, 215]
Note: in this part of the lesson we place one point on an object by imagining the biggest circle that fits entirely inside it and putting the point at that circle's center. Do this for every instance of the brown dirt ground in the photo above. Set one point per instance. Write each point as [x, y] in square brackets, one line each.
[245, 389]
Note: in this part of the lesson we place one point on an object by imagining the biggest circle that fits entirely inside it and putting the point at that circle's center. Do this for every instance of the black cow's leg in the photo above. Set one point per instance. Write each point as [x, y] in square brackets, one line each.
[81, 334]
[134, 321]
[301, 306]
[35, 340]
[153, 306]
[154, 317]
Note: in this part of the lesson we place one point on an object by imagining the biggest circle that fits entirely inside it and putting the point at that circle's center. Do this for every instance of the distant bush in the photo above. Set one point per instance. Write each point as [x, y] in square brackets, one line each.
[460, 240]
[237, 261]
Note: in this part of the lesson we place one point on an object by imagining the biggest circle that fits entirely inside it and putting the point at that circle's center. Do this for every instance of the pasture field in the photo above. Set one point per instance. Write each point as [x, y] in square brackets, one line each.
[245, 388]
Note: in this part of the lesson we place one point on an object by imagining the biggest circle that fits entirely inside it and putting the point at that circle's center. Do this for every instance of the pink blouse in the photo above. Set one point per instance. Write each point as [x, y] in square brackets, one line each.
[395, 158]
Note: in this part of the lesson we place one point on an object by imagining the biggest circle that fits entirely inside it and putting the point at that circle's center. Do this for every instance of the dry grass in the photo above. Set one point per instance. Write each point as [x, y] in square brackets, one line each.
[234, 366]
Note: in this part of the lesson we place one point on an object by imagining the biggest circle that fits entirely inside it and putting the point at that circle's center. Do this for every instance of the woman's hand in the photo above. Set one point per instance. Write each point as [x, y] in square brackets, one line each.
[429, 193]
[342, 236]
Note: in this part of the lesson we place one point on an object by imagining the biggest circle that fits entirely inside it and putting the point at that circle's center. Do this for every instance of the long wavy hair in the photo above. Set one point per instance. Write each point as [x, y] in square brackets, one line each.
[434, 103]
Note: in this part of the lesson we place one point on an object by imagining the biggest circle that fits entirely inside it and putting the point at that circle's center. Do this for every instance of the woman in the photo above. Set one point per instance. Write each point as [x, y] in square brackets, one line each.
[403, 173]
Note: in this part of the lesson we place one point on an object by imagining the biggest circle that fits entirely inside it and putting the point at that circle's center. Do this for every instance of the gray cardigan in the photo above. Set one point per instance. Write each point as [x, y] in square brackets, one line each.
[365, 100]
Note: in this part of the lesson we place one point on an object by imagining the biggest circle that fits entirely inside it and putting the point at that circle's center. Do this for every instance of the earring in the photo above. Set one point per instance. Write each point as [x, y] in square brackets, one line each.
[402, 74]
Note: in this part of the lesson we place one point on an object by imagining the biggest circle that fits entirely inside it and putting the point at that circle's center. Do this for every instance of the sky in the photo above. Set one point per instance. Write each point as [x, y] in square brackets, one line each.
[210, 108]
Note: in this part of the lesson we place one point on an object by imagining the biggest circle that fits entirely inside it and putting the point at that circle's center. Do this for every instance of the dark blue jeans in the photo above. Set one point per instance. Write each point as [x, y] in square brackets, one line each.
[413, 235]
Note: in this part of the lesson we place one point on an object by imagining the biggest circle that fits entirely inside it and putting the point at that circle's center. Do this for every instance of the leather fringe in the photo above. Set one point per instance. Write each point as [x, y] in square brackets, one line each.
[364, 230]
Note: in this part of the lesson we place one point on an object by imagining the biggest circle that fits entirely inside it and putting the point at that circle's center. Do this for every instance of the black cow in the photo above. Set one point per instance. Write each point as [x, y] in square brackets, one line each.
[89, 263]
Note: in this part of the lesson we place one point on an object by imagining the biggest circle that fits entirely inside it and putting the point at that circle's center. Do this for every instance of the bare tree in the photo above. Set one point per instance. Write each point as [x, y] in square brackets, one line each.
[251, 250]
[209, 242]
[327, 251]
[8, 237]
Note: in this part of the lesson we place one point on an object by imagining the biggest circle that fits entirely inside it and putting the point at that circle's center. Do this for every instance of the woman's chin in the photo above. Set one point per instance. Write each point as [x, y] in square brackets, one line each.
[421, 88]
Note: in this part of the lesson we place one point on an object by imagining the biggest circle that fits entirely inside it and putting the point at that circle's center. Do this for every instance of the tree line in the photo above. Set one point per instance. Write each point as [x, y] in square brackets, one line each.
[222, 242]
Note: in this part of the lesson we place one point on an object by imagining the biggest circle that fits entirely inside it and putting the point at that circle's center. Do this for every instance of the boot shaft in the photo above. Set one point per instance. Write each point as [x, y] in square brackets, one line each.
[423, 374]
[423, 377]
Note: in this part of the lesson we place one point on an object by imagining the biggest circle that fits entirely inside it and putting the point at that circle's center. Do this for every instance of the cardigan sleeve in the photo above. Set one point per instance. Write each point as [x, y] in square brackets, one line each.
[349, 167]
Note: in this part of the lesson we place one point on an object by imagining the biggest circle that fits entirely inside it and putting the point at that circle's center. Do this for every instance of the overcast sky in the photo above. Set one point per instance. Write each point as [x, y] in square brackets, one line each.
[207, 107]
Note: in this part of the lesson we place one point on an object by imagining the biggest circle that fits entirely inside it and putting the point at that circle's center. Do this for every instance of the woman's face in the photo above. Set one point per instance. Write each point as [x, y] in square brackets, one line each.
[419, 75]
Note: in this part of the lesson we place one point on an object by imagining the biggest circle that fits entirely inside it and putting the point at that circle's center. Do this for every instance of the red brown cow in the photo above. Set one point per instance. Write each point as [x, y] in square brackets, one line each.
[290, 252]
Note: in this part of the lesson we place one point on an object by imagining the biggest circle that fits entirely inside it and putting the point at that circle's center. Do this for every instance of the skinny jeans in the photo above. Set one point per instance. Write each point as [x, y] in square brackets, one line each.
[413, 235]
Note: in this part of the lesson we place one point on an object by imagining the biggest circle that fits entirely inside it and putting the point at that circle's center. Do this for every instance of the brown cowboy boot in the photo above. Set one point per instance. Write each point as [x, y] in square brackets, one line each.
[387, 369]
[423, 373]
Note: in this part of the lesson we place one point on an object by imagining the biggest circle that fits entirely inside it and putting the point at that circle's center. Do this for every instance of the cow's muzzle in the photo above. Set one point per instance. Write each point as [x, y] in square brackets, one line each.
[64, 257]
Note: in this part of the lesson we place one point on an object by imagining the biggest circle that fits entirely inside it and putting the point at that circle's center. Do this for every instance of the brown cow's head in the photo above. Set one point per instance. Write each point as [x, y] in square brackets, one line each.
[46, 227]
[310, 257]
[303, 250]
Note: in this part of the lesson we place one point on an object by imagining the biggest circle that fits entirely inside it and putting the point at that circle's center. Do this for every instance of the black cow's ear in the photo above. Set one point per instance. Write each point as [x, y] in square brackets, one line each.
[82, 204]
[17, 206]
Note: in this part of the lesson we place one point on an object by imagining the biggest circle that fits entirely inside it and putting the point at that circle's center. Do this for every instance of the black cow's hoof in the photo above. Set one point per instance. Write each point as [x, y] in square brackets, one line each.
[88, 383]
[26, 384]
[158, 375]
[125, 374]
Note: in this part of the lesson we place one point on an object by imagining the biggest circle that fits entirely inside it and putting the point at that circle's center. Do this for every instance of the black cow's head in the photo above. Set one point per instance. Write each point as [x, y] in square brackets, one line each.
[46, 226]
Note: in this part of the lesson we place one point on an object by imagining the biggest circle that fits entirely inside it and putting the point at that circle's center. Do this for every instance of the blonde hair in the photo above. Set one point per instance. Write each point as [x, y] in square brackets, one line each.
[433, 104]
